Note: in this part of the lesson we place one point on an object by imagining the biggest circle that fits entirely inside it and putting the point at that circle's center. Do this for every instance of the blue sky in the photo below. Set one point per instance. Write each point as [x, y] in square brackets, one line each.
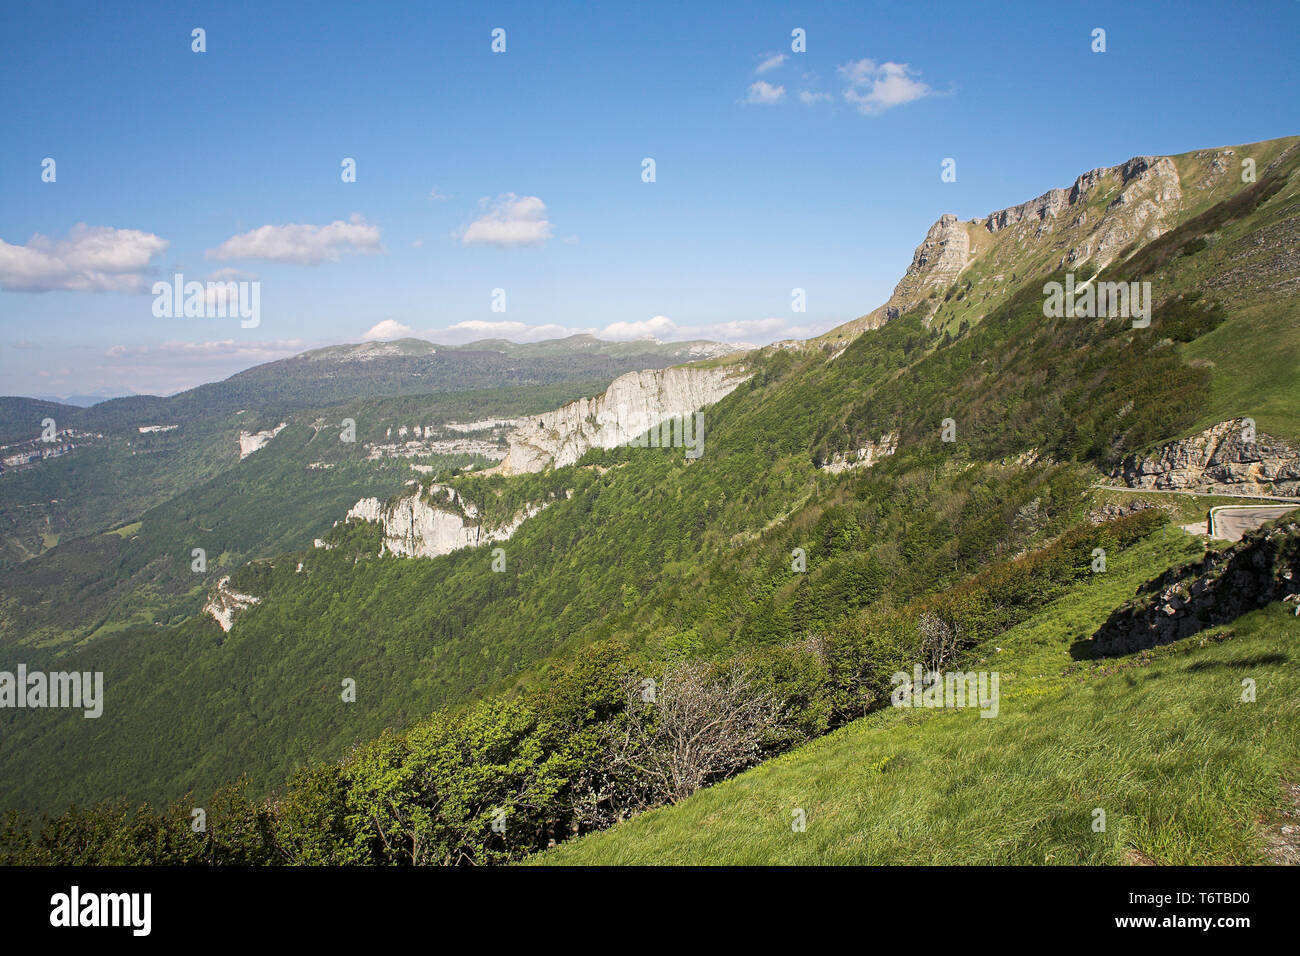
[522, 170]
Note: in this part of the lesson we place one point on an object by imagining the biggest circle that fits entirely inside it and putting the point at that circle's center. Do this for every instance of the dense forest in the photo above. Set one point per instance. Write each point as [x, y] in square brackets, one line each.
[378, 709]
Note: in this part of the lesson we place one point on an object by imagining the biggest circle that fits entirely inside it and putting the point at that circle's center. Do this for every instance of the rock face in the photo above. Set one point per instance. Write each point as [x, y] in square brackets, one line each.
[936, 263]
[250, 442]
[1046, 233]
[1145, 209]
[1219, 459]
[417, 526]
[632, 404]
[864, 457]
[224, 603]
[1263, 567]
[1149, 192]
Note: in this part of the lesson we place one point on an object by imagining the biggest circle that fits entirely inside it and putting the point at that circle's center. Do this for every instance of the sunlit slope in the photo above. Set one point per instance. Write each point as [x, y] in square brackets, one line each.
[682, 556]
[965, 269]
[1162, 742]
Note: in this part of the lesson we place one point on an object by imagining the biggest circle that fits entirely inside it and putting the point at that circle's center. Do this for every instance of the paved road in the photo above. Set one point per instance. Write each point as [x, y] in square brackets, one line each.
[1202, 494]
[1232, 522]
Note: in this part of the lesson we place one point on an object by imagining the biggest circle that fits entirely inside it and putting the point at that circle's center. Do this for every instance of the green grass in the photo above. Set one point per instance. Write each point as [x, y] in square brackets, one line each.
[1186, 772]
[1245, 383]
[1182, 507]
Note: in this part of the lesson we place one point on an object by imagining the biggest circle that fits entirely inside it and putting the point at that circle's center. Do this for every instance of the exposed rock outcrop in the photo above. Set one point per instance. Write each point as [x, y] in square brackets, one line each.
[1263, 567]
[250, 442]
[936, 263]
[224, 603]
[418, 526]
[1218, 460]
[864, 457]
[1112, 511]
[1149, 192]
[1145, 209]
[633, 404]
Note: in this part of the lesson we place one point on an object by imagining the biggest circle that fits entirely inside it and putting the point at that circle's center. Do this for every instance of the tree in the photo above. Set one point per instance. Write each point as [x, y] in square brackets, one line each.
[687, 728]
[939, 641]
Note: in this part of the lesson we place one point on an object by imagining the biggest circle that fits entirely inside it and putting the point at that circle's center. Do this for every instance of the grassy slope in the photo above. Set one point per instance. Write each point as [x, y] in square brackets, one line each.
[1185, 771]
[1249, 264]
[1241, 267]
[681, 557]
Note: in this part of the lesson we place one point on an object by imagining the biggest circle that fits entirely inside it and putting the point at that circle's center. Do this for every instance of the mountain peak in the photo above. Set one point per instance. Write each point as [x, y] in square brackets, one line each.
[1107, 212]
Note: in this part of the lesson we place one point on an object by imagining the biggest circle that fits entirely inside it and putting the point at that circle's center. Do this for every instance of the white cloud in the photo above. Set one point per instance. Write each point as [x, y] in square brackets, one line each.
[166, 368]
[437, 196]
[765, 93]
[874, 88]
[473, 329]
[387, 329]
[216, 350]
[302, 244]
[745, 330]
[227, 274]
[659, 328]
[808, 98]
[509, 220]
[59, 367]
[90, 259]
[771, 62]
[737, 332]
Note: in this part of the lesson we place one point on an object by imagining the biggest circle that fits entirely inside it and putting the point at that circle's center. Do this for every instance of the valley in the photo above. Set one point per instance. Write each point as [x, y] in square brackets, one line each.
[963, 476]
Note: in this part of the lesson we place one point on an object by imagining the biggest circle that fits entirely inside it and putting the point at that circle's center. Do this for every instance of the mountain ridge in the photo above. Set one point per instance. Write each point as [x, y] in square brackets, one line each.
[1146, 191]
[753, 555]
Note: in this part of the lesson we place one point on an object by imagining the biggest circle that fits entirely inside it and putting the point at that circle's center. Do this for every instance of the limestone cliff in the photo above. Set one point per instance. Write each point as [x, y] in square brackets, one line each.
[864, 457]
[1226, 458]
[224, 603]
[632, 404]
[1104, 211]
[424, 524]
[250, 442]
[936, 263]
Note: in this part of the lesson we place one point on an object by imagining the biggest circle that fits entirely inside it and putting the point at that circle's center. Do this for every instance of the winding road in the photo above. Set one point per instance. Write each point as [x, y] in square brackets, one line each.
[1230, 522]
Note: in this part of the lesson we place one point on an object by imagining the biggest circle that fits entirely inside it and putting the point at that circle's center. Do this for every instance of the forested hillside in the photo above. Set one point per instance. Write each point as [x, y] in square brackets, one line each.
[762, 580]
[120, 471]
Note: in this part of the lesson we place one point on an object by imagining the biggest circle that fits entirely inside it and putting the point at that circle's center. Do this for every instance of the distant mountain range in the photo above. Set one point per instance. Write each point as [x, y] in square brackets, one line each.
[83, 401]
[107, 480]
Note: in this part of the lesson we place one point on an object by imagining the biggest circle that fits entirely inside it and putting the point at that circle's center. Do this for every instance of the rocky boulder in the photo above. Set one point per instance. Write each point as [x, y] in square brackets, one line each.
[1261, 568]
[1227, 458]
